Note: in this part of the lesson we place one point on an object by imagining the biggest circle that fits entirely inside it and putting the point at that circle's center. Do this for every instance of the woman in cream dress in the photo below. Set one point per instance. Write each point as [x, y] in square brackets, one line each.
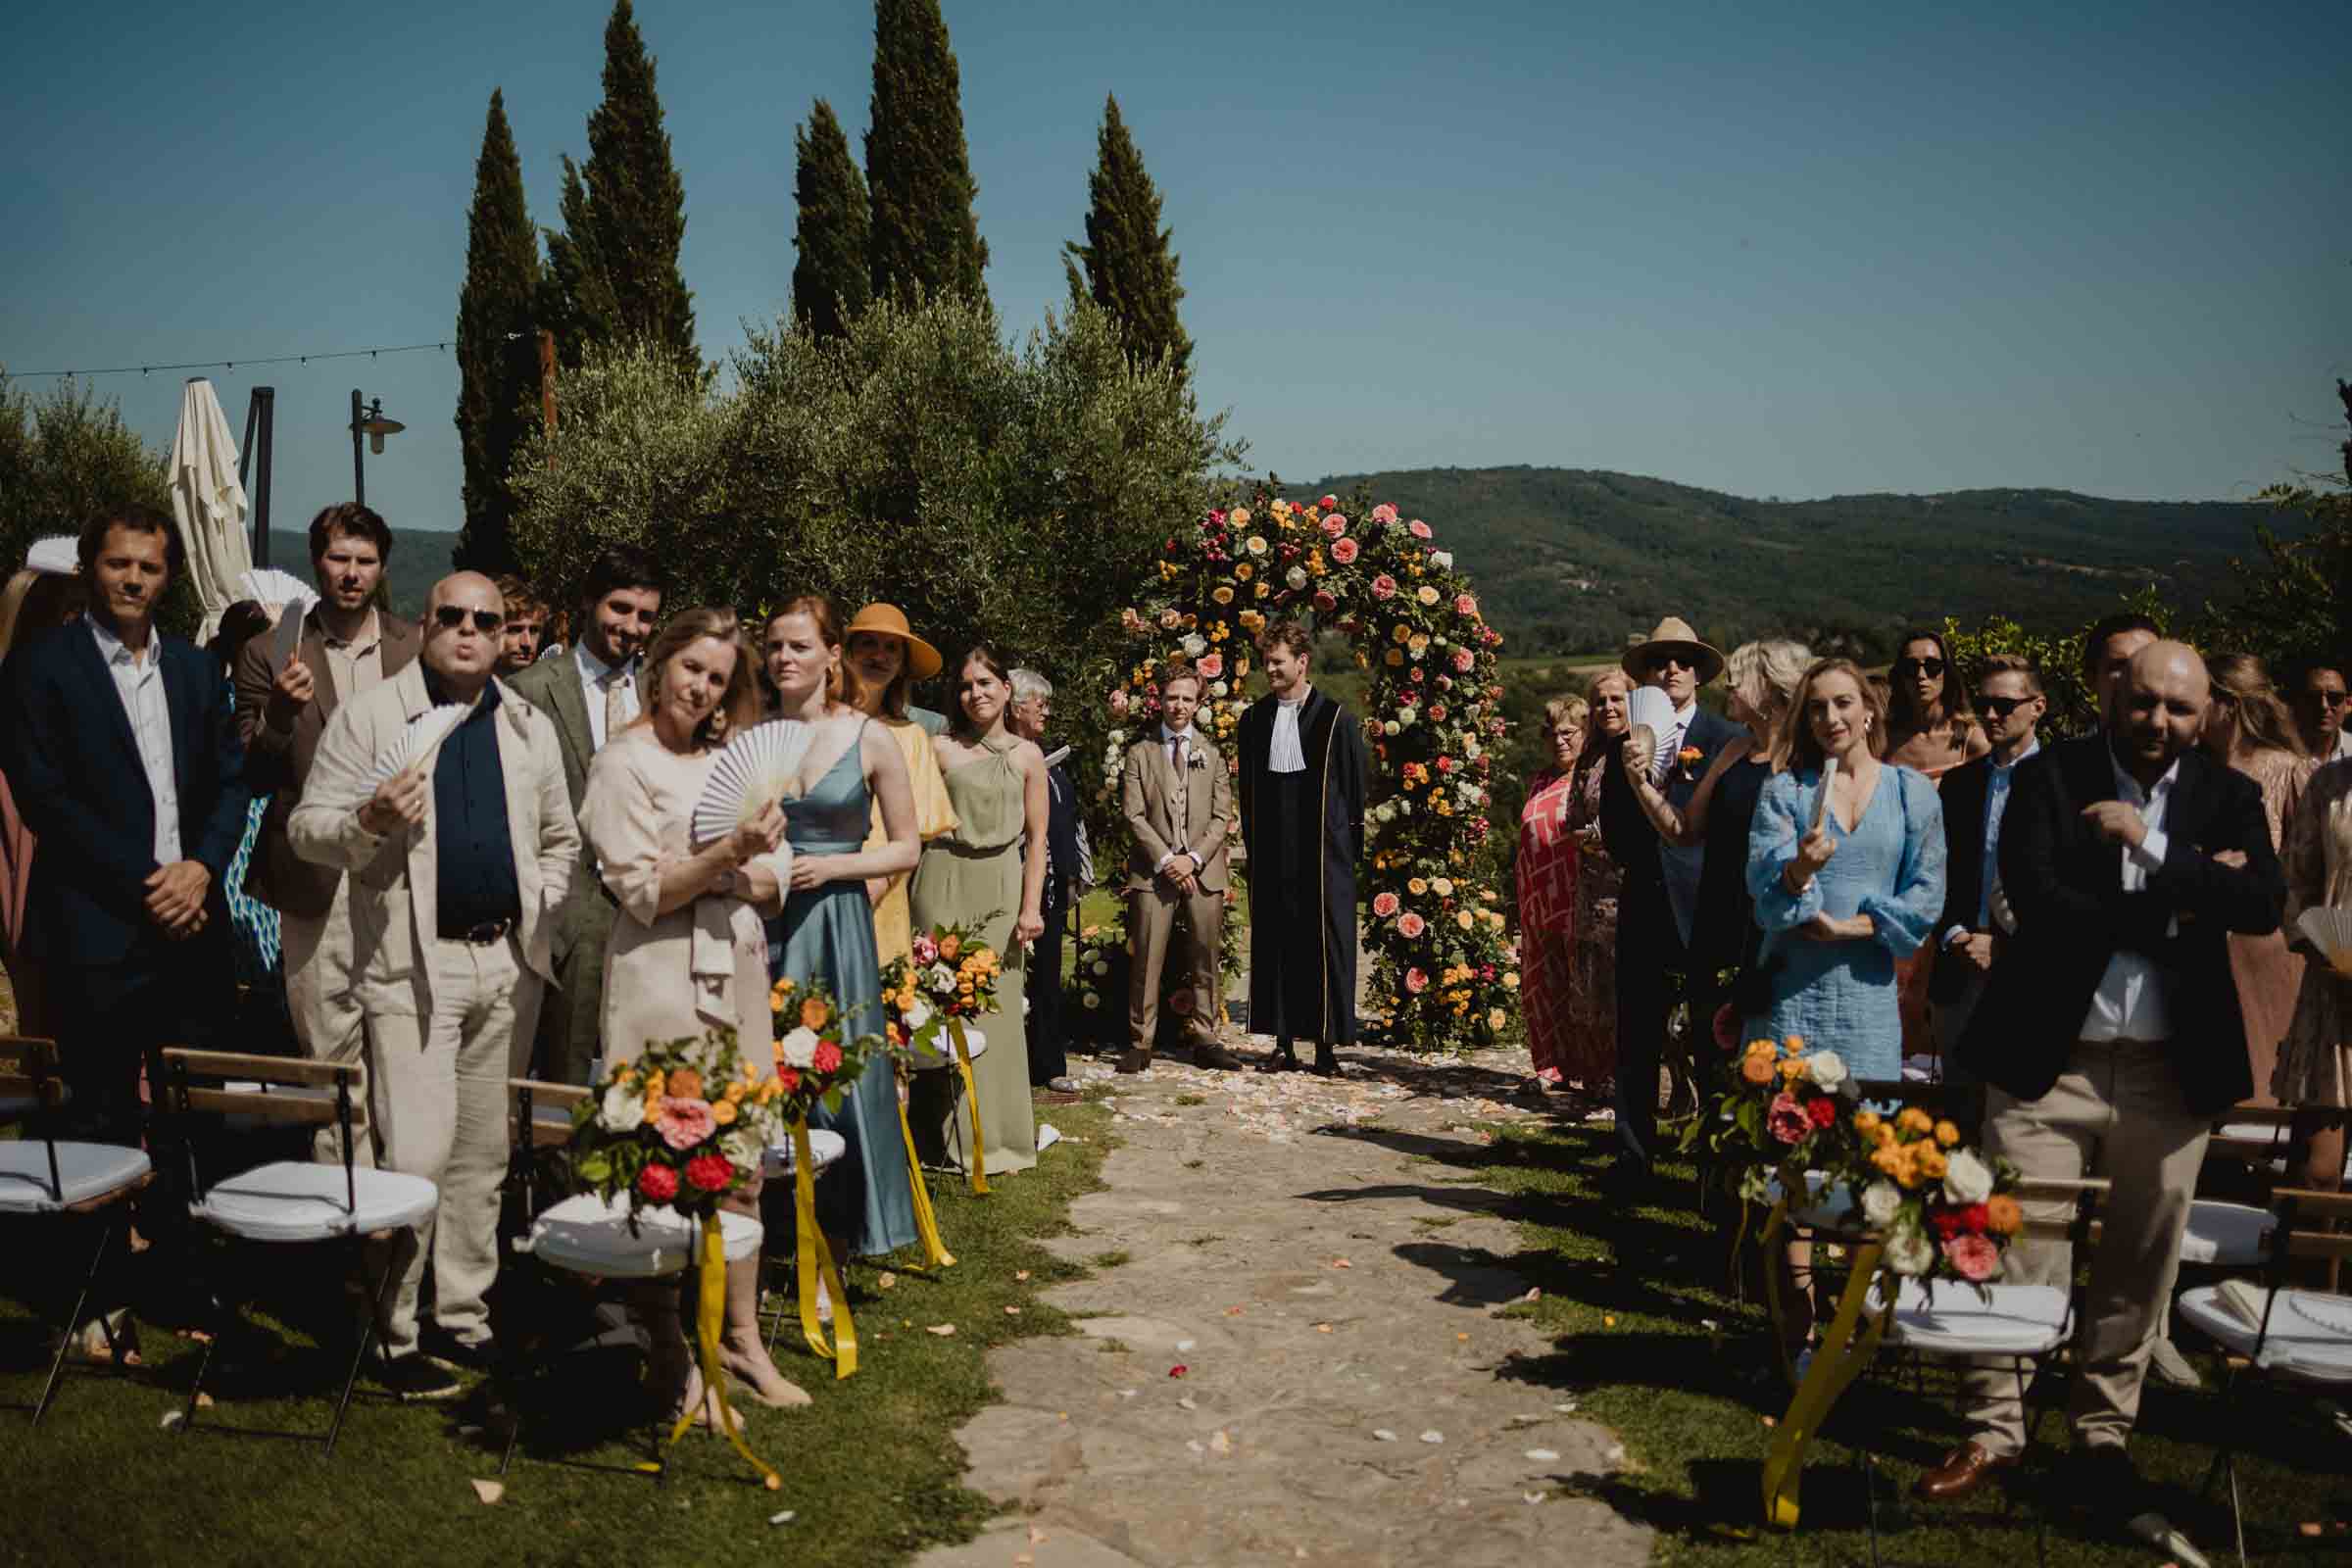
[686, 954]
[2315, 1060]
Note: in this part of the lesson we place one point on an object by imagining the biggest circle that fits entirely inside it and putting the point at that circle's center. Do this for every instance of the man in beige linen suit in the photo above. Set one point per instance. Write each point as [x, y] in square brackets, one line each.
[1178, 797]
[458, 865]
[348, 646]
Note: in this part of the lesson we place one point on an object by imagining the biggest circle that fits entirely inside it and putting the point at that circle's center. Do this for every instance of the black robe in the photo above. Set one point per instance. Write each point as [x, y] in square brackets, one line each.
[1304, 833]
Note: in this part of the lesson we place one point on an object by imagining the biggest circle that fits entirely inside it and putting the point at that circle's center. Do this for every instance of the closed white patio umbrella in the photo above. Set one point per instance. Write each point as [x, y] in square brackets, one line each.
[209, 499]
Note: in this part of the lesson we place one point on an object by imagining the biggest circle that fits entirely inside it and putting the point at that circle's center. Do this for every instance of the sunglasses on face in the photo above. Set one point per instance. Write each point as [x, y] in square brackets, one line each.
[2326, 699]
[1930, 667]
[1666, 661]
[448, 617]
[2000, 708]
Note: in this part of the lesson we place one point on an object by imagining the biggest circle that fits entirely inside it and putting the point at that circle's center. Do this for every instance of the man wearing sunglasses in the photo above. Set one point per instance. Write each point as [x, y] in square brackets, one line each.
[2322, 700]
[458, 863]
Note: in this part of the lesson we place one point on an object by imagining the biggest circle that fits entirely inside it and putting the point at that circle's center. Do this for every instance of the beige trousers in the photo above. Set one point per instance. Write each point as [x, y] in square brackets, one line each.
[327, 1018]
[439, 1098]
[2116, 1113]
[1192, 946]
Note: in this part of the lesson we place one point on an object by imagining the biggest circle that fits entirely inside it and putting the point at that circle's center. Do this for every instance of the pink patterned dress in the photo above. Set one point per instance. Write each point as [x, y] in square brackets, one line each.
[1547, 875]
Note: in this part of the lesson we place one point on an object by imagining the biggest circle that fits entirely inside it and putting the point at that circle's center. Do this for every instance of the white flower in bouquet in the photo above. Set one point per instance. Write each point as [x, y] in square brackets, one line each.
[1406, 716]
[1825, 1068]
[1195, 645]
[1909, 1252]
[1442, 559]
[798, 1048]
[916, 1016]
[939, 980]
[623, 1109]
[741, 1148]
[1470, 748]
[1388, 728]
[1881, 1202]
[1966, 1178]
[1094, 998]
[1295, 576]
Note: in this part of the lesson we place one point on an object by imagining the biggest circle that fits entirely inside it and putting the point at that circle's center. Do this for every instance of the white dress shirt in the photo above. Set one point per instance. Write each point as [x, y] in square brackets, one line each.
[2343, 745]
[139, 683]
[1996, 805]
[1178, 755]
[1284, 755]
[596, 680]
[2129, 1001]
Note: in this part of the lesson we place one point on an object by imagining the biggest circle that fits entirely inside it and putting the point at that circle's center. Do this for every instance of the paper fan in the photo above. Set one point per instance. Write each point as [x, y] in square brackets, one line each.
[752, 772]
[417, 745]
[59, 555]
[1055, 758]
[271, 586]
[2329, 931]
[1647, 706]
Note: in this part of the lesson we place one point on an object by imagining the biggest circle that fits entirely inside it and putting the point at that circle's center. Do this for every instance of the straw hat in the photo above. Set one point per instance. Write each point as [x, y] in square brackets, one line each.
[1674, 635]
[888, 620]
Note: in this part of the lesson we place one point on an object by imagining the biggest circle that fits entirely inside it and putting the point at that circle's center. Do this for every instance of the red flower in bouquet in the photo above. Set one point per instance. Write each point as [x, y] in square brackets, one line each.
[708, 1173]
[789, 1078]
[1727, 1027]
[1788, 1120]
[659, 1183]
[827, 1057]
[1821, 1112]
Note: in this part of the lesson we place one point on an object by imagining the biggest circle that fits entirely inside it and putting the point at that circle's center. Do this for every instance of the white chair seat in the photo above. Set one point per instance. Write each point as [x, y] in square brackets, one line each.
[296, 1201]
[1827, 1210]
[2225, 1235]
[85, 1172]
[976, 1043]
[2310, 1336]
[824, 1148]
[590, 1235]
[1949, 1318]
[1923, 1069]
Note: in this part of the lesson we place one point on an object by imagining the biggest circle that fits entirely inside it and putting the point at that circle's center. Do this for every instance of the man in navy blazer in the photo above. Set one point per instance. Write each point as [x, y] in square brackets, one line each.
[121, 747]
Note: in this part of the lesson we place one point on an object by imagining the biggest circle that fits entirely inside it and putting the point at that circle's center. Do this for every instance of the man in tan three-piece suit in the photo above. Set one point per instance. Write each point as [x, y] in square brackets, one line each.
[1178, 797]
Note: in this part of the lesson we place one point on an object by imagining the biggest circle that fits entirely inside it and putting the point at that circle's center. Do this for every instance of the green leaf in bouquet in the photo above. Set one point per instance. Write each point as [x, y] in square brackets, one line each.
[594, 1167]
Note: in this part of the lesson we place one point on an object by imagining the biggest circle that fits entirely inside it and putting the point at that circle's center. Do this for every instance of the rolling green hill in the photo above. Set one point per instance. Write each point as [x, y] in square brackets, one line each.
[1576, 558]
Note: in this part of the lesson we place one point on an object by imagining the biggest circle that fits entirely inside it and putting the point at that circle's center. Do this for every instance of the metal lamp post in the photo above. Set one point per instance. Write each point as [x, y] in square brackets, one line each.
[368, 422]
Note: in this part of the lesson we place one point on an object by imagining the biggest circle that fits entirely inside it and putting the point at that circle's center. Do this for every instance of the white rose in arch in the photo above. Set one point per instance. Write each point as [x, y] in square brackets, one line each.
[1196, 645]
[1825, 1068]
[1217, 689]
[1966, 1178]
[1881, 1202]
[1388, 728]
[1295, 576]
[1094, 998]
[1910, 1254]
[623, 1109]
[1442, 559]
[798, 1049]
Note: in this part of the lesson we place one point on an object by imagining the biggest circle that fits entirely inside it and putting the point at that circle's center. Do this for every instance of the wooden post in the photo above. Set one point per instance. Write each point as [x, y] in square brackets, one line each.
[547, 388]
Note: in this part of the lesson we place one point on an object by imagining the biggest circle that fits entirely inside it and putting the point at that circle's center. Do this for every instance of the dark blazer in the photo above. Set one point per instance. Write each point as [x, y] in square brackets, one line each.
[1658, 877]
[2066, 885]
[74, 766]
[1965, 872]
[278, 764]
[1062, 835]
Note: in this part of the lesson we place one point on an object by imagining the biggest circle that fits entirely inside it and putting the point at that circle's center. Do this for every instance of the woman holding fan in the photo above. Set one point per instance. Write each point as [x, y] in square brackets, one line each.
[823, 931]
[686, 953]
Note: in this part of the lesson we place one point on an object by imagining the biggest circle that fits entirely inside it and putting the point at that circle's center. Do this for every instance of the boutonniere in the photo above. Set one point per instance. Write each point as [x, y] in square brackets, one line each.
[1194, 761]
[1690, 757]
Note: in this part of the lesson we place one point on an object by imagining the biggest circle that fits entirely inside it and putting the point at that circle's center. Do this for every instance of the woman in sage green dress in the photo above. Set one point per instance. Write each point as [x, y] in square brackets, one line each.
[824, 934]
[979, 876]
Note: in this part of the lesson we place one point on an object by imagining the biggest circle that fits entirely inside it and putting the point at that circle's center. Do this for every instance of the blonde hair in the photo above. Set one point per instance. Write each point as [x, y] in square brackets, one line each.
[1765, 673]
[1567, 712]
[1796, 751]
[739, 704]
[2242, 685]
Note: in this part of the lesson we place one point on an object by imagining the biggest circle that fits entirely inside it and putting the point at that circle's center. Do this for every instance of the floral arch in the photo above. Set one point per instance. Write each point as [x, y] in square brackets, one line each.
[1442, 968]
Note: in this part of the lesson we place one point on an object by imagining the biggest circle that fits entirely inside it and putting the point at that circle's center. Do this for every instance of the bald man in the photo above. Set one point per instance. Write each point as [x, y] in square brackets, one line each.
[2110, 1033]
[457, 865]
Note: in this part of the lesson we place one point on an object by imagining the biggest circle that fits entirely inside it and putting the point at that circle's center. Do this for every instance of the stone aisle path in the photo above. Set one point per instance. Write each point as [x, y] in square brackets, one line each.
[1330, 1302]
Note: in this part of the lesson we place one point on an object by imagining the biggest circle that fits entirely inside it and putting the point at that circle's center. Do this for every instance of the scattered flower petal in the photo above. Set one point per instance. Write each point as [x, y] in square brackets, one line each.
[783, 1518]
[942, 1330]
[1433, 1436]
[489, 1490]
[1541, 1456]
[1383, 1434]
[1187, 1402]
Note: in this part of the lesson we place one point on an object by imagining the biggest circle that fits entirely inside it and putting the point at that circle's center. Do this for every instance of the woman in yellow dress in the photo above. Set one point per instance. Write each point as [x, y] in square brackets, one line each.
[888, 658]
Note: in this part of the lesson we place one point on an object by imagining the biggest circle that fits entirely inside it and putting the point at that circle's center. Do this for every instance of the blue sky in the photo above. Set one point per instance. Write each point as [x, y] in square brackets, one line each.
[1791, 251]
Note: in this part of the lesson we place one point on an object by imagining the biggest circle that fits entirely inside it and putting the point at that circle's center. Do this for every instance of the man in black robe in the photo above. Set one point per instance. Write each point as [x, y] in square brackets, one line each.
[1303, 823]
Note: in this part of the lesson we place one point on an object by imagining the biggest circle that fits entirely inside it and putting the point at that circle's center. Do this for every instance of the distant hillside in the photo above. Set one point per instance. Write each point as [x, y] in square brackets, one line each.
[1574, 559]
[419, 560]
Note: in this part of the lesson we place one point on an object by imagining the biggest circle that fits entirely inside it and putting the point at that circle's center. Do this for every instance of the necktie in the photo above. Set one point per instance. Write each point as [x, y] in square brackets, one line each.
[1176, 760]
[617, 706]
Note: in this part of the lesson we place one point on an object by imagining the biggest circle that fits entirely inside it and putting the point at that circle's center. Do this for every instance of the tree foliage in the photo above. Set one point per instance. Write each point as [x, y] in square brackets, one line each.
[926, 239]
[614, 265]
[63, 456]
[831, 285]
[497, 349]
[1130, 267]
[1012, 492]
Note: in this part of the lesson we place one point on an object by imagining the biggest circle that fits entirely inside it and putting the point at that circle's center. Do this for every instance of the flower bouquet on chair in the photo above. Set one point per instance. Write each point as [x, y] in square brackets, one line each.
[1783, 1130]
[949, 985]
[679, 1129]
[1941, 1211]
[819, 1058]
[905, 1017]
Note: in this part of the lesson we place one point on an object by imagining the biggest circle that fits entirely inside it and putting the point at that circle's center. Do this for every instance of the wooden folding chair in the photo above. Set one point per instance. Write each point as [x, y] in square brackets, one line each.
[287, 1203]
[2273, 1333]
[56, 1180]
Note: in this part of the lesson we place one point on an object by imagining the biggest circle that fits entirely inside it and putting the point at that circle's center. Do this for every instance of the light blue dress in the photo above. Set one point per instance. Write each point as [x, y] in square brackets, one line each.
[1842, 995]
[825, 936]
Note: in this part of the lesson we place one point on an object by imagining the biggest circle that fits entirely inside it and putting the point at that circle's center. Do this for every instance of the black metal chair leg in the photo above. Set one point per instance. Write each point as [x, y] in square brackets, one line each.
[378, 1300]
[64, 1343]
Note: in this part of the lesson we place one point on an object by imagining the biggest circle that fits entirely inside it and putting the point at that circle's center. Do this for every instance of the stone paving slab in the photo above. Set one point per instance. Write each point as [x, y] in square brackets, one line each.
[1285, 1300]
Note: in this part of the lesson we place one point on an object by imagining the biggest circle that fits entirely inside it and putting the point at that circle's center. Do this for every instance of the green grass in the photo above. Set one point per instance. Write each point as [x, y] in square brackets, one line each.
[1625, 1300]
[872, 1470]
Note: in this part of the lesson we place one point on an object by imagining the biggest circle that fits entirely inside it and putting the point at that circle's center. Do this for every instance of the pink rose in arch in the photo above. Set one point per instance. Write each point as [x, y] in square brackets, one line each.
[1343, 551]
[1325, 603]
[1384, 586]
[1119, 704]
[1464, 659]
[1383, 512]
[1437, 711]
[1464, 605]
[1334, 526]
[1420, 529]
[1384, 904]
[1415, 981]
[1410, 925]
[1211, 666]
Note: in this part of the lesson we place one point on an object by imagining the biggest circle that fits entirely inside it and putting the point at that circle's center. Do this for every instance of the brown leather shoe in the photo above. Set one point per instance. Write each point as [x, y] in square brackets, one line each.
[1209, 1054]
[1964, 1470]
[1137, 1061]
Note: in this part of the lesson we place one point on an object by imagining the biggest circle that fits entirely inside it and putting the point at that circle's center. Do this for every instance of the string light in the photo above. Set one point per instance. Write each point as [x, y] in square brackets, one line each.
[227, 365]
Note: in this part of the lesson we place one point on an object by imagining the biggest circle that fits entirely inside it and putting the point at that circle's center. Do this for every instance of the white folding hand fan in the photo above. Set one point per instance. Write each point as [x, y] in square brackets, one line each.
[271, 586]
[414, 748]
[752, 772]
[2329, 931]
[1647, 706]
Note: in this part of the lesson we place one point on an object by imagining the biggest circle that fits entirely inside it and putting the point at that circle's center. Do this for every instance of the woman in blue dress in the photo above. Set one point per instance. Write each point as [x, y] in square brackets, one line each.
[825, 935]
[1843, 889]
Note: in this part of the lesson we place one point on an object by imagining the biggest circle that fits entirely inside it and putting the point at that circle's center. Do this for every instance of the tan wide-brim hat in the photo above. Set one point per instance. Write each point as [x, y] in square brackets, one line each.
[888, 620]
[1674, 635]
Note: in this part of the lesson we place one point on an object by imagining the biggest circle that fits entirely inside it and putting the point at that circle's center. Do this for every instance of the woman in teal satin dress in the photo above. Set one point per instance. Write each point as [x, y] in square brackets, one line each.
[824, 935]
[979, 875]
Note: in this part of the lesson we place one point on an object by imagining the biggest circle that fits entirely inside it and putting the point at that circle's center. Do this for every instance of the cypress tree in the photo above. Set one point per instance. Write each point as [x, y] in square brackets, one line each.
[830, 284]
[615, 266]
[1130, 267]
[498, 371]
[918, 172]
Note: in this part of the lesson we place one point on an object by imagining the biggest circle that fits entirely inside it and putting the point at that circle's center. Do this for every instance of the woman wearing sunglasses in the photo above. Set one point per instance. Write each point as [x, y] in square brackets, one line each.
[1931, 726]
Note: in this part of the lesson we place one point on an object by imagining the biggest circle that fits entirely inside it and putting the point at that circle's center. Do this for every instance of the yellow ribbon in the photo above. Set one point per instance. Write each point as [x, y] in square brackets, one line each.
[926, 1222]
[710, 1313]
[1836, 1363]
[971, 1098]
[813, 1258]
